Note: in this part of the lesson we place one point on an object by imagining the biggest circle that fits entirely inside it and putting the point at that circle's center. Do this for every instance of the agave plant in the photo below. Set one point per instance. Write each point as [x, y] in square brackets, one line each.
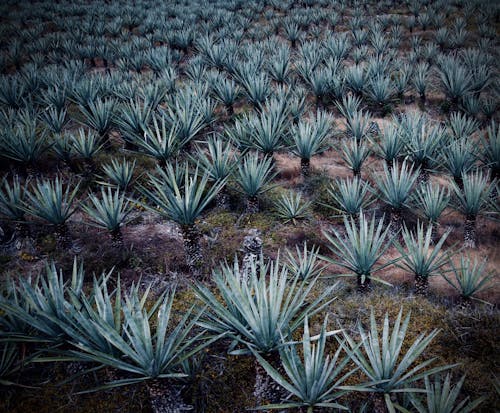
[459, 159]
[307, 140]
[455, 80]
[260, 312]
[419, 258]
[99, 115]
[314, 381]
[354, 154]
[120, 173]
[37, 309]
[491, 150]
[49, 201]
[350, 196]
[109, 212]
[183, 205]
[306, 263]
[253, 178]
[289, 207]
[154, 355]
[86, 145]
[9, 363]
[218, 163]
[432, 200]
[12, 197]
[160, 142]
[388, 369]
[469, 278]
[421, 80]
[132, 121]
[360, 249]
[24, 142]
[391, 144]
[443, 397]
[472, 200]
[395, 188]
[227, 92]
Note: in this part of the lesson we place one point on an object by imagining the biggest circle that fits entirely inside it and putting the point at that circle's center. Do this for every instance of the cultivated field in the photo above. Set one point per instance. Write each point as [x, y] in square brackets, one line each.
[223, 205]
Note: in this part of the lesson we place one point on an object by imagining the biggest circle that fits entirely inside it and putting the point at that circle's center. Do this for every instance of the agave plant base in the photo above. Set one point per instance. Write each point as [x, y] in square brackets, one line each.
[305, 167]
[222, 200]
[470, 236]
[192, 249]
[116, 238]
[252, 205]
[378, 403]
[166, 398]
[363, 286]
[63, 237]
[421, 285]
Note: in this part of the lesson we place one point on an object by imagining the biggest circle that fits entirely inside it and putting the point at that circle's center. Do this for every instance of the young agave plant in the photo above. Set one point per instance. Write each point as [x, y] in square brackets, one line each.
[259, 313]
[290, 207]
[432, 200]
[359, 250]
[99, 115]
[253, 178]
[354, 154]
[443, 397]
[313, 379]
[307, 140]
[305, 263]
[86, 145]
[218, 163]
[491, 150]
[120, 173]
[395, 188]
[389, 371]
[350, 196]
[50, 202]
[419, 258]
[391, 145]
[109, 212]
[227, 92]
[472, 200]
[459, 158]
[183, 205]
[469, 278]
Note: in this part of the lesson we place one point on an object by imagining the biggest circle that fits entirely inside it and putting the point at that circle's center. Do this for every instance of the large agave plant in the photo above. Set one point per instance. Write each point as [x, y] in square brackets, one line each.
[49, 201]
[390, 370]
[290, 207]
[260, 312]
[183, 205]
[360, 249]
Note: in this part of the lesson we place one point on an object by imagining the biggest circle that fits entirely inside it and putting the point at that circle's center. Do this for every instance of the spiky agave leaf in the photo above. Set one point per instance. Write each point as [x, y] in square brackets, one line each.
[120, 173]
[12, 197]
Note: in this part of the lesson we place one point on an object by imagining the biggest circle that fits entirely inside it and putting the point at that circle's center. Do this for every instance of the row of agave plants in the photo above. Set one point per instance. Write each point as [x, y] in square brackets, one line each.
[138, 338]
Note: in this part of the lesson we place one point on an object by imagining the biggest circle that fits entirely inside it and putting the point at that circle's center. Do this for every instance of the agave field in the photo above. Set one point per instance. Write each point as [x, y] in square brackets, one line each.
[227, 205]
